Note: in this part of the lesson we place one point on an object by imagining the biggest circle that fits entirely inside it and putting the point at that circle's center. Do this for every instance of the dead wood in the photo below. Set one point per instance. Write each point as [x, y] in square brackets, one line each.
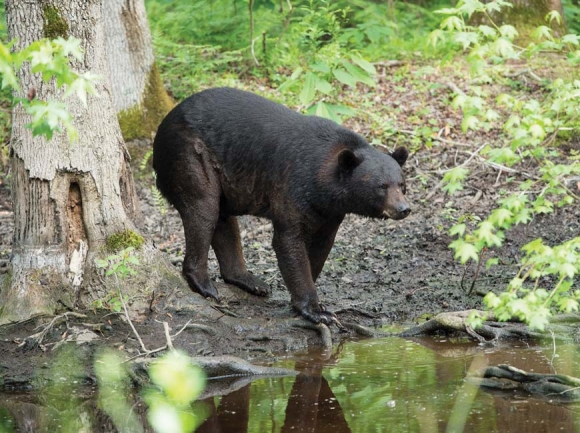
[558, 387]
[492, 331]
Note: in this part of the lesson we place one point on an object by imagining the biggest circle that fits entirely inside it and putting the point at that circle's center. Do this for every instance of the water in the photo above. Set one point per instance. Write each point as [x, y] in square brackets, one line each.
[380, 385]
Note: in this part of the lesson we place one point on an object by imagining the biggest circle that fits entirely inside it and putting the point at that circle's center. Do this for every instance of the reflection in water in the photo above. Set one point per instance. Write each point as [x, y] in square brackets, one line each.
[386, 385]
[311, 406]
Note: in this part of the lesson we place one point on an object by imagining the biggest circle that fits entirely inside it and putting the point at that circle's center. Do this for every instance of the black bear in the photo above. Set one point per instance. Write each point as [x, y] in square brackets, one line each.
[225, 152]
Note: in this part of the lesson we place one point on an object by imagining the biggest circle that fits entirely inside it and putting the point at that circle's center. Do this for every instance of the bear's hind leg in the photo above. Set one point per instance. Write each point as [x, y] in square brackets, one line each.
[198, 225]
[227, 245]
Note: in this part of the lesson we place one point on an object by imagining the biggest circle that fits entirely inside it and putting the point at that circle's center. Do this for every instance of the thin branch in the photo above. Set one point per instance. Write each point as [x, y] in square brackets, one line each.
[526, 71]
[252, 41]
[167, 336]
[129, 319]
[183, 328]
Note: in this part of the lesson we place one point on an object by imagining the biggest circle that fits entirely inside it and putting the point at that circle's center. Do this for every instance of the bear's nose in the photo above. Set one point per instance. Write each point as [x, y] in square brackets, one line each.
[403, 210]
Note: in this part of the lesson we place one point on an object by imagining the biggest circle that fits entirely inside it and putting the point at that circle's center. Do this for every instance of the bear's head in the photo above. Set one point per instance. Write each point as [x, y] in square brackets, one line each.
[372, 182]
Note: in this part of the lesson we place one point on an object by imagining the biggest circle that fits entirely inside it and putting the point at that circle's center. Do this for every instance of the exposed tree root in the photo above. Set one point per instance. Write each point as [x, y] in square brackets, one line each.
[554, 386]
[363, 331]
[324, 331]
[492, 331]
[35, 340]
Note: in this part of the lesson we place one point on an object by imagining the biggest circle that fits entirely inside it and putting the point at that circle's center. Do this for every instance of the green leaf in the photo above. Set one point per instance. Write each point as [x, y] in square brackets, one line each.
[503, 47]
[519, 308]
[491, 300]
[457, 230]
[466, 38]
[486, 233]
[504, 99]
[181, 381]
[469, 122]
[567, 270]
[459, 101]
[321, 67]
[323, 86]
[474, 320]
[487, 31]
[70, 46]
[553, 16]
[366, 66]
[456, 174]
[452, 23]
[8, 76]
[322, 110]
[508, 31]
[344, 77]
[491, 115]
[571, 39]
[515, 283]
[537, 131]
[434, 37]
[359, 74]
[491, 262]
[539, 319]
[308, 89]
[464, 251]
[501, 217]
[297, 72]
[470, 6]
[568, 305]
[333, 113]
[542, 32]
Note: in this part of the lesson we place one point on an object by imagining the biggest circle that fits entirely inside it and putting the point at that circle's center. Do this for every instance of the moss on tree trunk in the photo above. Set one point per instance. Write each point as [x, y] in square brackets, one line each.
[526, 16]
[142, 120]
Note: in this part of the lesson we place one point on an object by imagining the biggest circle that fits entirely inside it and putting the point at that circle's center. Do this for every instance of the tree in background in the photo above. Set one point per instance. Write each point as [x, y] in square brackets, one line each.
[526, 16]
[68, 198]
[139, 97]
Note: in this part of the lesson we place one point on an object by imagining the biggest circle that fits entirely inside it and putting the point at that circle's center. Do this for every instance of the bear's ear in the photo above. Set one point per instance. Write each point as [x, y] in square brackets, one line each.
[347, 160]
[400, 155]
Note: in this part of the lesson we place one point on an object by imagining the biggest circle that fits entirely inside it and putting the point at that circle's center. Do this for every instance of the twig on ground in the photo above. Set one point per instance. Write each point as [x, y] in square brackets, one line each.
[389, 63]
[130, 321]
[167, 336]
[182, 329]
[225, 311]
[526, 71]
[453, 87]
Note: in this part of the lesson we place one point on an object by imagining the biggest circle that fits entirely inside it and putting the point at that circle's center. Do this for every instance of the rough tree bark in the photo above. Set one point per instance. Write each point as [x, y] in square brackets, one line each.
[139, 97]
[67, 198]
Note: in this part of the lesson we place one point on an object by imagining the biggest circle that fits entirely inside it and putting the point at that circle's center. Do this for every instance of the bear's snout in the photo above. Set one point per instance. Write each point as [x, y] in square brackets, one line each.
[397, 213]
[395, 206]
[404, 210]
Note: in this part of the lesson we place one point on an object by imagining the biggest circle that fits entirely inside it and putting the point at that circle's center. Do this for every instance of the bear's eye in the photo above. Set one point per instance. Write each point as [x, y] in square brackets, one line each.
[384, 186]
[403, 188]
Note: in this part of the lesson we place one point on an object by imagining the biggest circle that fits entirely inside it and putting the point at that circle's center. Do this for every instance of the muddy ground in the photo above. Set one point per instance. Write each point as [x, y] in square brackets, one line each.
[378, 272]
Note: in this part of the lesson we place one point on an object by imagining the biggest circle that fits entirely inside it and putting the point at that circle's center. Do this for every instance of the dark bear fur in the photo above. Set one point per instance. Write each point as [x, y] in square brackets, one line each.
[225, 152]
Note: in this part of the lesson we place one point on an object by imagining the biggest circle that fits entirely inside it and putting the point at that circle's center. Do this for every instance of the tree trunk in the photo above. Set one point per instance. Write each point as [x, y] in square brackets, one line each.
[525, 16]
[67, 198]
[138, 94]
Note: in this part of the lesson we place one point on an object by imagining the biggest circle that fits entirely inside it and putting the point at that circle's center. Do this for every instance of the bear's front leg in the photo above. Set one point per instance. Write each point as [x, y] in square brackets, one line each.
[292, 254]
